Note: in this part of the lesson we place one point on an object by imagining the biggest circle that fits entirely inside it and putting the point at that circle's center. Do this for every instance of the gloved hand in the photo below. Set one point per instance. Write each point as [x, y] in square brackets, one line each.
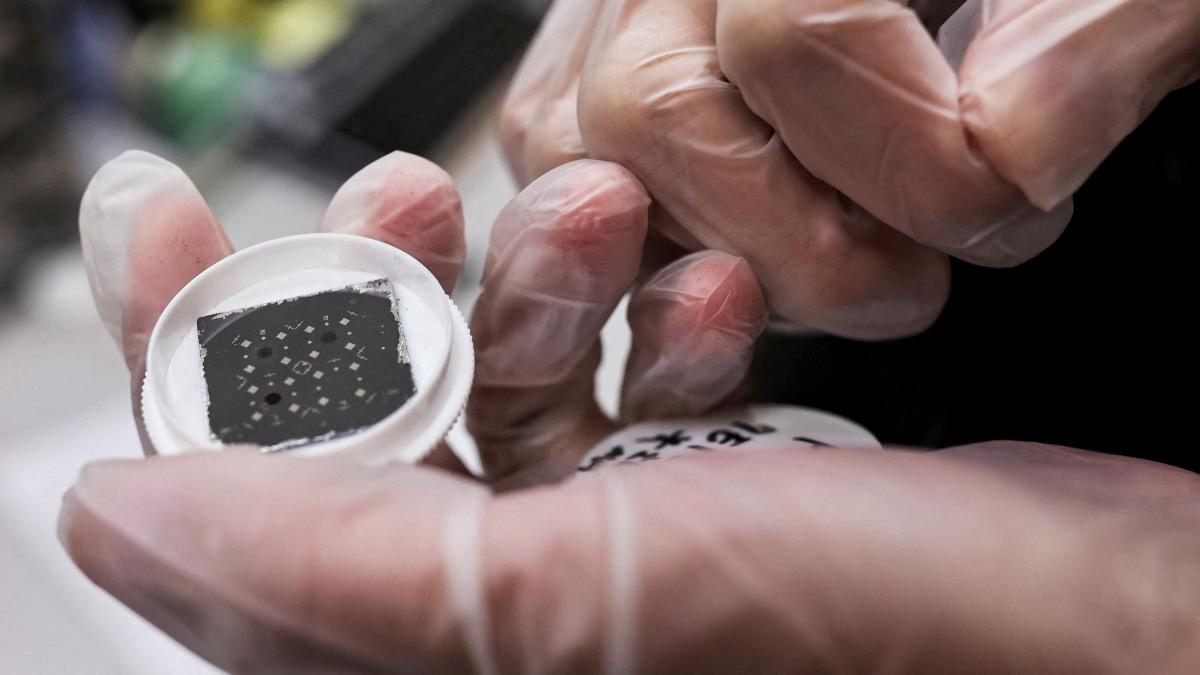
[1005, 558]
[563, 254]
[997, 558]
[807, 136]
[146, 232]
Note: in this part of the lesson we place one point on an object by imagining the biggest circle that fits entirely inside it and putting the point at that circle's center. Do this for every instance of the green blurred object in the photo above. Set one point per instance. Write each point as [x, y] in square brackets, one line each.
[193, 82]
[194, 77]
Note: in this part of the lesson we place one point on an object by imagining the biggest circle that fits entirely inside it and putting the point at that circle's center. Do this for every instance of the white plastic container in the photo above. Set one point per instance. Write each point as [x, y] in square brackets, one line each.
[744, 428]
[175, 397]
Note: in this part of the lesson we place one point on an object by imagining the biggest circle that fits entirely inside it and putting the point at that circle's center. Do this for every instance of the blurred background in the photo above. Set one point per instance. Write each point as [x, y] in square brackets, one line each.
[269, 105]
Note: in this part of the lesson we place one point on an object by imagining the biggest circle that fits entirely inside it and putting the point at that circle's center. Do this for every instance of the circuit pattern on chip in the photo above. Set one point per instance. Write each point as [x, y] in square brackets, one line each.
[305, 369]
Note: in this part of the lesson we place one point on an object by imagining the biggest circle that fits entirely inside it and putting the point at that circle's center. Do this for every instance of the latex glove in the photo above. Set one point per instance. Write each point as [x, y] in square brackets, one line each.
[562, 255]
[790, 133]
[146, 231]
[979, 559]
[999, 558]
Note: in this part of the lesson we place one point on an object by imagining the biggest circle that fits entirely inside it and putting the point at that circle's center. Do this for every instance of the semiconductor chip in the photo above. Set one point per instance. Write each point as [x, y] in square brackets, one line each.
[259, 396]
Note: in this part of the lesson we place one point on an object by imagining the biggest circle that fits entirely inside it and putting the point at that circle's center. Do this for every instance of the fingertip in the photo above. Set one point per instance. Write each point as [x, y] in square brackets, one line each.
[118, 192]
[395, 181]
[398, 180]
[592, 182]
[121, 187]
[910, 306]
[582, 205]
[84, 521]
[694, 326]
[145, 231]
[1020, 236]
[872, 283]
[408, 202]
[227, 552]
[714, 289]
[134, 169]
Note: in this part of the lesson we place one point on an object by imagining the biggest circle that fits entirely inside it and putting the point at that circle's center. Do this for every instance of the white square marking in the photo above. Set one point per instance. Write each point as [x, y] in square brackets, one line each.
[354, 366]
[249, 369]
[290, 381]
[309, 329]
[318, 375]
[322, 401]
[281, 335]
[256, 416]
[251, 389]
[285, 360]
[294, 407]
[313, 354]
[344, 321]
[245, 343]
[349, 345]
[360, 392]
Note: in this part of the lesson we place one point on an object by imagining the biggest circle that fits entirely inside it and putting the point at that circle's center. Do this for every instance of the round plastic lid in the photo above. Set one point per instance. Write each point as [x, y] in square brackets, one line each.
[434, 351]
[744, 428]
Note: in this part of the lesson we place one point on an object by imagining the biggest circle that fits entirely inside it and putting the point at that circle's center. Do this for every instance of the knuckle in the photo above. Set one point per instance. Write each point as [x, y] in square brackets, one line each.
[874, 284]
[553, 142]
[609, 114]
[753, 36]
[513, 125]
[632, 112]
[746, 33]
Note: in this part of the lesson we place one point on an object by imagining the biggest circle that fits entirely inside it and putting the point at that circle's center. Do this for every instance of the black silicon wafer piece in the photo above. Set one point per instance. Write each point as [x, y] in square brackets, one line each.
[305, 369]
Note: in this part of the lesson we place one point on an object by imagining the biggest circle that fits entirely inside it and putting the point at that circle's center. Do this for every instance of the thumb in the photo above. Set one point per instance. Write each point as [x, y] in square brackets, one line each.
[986, 559]
[232, 556]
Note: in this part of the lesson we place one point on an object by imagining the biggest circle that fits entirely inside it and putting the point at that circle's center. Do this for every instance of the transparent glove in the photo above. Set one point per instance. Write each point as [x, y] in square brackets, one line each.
[819, 140]
[995, 558]
[562, 255]
[146, 232]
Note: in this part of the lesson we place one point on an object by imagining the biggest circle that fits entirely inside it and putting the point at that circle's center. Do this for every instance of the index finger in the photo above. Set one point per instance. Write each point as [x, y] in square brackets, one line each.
[824, 561]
